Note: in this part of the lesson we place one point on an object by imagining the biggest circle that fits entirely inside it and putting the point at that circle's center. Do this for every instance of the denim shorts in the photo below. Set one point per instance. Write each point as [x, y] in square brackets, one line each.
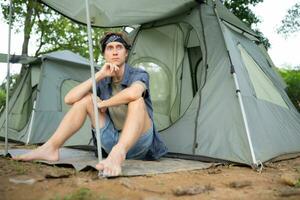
[110, 137]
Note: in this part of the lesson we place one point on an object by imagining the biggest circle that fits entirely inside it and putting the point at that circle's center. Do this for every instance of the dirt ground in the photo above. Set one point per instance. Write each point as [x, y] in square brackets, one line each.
[27, 180]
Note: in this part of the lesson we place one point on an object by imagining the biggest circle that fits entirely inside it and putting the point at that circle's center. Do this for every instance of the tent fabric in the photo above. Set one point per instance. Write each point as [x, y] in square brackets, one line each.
[46, 82]
[164, 72]
[264, 88]
[231, 19]
[219, 108]
[106, 14]
[20, 112]
[211, 123]
[66, 86]
[259, 56]
[66, 56]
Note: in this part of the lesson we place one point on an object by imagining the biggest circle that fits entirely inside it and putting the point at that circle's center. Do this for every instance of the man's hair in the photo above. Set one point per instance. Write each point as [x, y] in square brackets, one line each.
[123, 39]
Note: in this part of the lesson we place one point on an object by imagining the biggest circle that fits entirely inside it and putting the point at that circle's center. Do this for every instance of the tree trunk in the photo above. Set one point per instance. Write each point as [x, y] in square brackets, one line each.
[28, 23]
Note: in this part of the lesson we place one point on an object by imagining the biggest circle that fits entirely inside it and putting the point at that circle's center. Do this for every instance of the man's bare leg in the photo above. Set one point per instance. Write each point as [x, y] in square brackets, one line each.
[137, 122]
[71, 123]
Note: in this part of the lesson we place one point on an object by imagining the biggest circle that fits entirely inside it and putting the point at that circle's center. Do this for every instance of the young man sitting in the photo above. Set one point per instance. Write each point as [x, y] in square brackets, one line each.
[124, 107]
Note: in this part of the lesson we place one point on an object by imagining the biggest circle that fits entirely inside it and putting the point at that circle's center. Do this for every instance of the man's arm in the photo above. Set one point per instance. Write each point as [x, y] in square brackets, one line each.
[82, 89]
[125, 96]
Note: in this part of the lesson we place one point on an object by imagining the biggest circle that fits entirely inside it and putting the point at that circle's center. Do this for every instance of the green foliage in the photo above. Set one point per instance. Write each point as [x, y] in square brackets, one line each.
[12, 86]
[298, 183]
[291, 21]
[263, 39]
[81, 194]
[240, 8]
[2, 98]
[54, 31]
[292, 79]
[12, 82]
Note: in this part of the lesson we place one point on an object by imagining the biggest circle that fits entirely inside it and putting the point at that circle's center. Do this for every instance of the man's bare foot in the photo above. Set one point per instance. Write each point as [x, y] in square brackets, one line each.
[44, 152]
[112, 165]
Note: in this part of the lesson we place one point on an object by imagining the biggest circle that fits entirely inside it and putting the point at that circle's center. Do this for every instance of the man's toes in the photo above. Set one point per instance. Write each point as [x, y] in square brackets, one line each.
[16, 158]
[107, 172]
[100, 166]
[118, 171]
[19, 158]
[115, 172]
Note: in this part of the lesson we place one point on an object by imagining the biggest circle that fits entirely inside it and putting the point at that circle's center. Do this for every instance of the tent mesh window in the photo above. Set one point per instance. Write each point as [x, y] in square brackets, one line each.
[160, 51]
[160, 83]
[263, 86]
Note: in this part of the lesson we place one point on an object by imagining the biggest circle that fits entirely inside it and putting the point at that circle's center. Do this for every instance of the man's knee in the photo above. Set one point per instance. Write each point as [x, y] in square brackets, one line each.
[137, 104]
[86, 101]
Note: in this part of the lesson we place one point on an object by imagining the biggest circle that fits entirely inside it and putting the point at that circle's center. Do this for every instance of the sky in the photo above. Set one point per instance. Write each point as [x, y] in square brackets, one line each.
[283, 51]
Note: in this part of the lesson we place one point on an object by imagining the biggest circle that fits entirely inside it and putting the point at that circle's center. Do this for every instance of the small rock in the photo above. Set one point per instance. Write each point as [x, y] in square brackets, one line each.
[22, 180]
[57, 174]
[81, 181]
[11, 188]
[214, 171]
[289, 179]
[240, 184]
[126, 182]
[193, 190]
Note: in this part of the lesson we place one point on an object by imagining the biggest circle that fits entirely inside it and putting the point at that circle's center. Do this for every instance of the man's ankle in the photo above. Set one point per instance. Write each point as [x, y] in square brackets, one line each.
[50, 145]
[120, 148]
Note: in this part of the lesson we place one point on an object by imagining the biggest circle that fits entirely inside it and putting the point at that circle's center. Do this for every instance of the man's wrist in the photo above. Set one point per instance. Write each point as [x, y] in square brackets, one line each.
[101, 104]
[99, 75]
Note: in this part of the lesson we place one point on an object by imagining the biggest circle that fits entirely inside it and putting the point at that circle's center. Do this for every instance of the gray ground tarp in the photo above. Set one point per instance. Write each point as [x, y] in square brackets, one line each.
[81, 160]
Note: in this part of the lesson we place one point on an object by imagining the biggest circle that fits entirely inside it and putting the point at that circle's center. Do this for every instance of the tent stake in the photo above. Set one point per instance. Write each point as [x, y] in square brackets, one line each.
[7, 79]
[93, 79]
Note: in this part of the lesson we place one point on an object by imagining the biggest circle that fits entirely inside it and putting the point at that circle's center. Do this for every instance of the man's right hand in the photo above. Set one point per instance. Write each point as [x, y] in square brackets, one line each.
[102, 109]
[107, 70]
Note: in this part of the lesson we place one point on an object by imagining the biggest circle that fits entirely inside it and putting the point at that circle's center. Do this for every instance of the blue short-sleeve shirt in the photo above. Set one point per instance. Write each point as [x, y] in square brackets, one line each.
[131, 75]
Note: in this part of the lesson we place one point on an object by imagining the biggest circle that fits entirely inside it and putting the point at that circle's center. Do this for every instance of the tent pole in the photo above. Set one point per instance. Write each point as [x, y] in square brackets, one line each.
[7, 79]
[93, 79]
[31, 122]
[256, 164]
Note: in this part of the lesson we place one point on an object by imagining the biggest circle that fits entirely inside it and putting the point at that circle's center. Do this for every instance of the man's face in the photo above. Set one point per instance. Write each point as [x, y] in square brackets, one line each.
[115, 53]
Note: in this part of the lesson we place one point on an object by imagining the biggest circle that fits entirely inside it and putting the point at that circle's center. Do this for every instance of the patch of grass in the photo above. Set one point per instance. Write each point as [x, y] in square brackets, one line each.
[298, 183]
[17, 167]
[20, 170]
[102, 197]
[80, 194]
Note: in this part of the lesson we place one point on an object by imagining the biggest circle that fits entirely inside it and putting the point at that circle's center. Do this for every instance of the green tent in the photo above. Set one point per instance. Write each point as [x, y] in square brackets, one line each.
[37, 105]
[214, 88]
